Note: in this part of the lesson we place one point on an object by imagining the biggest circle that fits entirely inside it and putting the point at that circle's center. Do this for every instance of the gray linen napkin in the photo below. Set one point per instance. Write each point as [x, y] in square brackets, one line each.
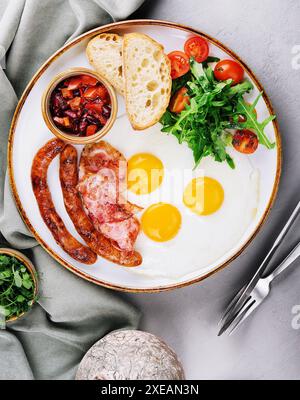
[71, 314]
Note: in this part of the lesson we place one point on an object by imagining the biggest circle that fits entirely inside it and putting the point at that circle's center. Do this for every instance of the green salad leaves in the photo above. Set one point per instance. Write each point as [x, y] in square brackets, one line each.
[215, 108]
[17, 290]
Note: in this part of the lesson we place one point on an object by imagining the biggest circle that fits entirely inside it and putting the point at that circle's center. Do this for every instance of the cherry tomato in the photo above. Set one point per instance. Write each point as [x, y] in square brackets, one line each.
[91, 130]
[245, 141]
[179, 100]
[229, 69]
[180, 64]
[196, 47]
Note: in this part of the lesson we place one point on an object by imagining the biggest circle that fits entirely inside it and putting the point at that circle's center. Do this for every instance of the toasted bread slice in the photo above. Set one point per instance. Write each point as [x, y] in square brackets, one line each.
[147, 80]
[104, 53]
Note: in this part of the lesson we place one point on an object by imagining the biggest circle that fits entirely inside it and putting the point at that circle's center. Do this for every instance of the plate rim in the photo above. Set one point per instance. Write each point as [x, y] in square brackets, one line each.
[38, 74]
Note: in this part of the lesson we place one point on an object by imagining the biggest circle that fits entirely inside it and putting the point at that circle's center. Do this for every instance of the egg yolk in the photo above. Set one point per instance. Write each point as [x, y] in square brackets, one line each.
[145, 173]
[203, 195]
[161, 222]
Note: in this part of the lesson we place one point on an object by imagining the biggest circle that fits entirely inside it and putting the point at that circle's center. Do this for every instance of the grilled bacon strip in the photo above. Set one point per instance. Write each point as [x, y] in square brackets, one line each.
[94, 239]
[102, 186]
[50, 216]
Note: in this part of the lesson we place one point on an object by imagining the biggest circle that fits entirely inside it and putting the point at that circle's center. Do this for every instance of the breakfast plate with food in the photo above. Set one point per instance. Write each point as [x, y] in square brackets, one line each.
[144, 155]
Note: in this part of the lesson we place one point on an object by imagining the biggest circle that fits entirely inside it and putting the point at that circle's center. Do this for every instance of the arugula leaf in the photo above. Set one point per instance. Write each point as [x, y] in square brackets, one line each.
[251, 122]
[196, 68]
[179, 82]
[241, 88]
[210, 59]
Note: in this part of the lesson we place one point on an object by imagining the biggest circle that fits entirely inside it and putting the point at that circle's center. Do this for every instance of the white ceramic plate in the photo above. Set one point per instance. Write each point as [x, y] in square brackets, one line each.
[29, 133]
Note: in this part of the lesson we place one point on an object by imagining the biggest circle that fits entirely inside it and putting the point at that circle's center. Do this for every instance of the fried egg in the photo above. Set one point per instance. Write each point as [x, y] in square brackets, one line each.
[203, 195]
[161, 222]
[144, 173]
[191, 218]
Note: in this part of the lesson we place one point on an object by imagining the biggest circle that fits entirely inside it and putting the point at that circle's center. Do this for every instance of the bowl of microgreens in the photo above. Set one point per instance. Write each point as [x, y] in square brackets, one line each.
[18, 285]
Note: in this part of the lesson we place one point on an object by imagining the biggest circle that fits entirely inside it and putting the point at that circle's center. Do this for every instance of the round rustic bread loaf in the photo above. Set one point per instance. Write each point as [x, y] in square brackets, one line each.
[130, 354]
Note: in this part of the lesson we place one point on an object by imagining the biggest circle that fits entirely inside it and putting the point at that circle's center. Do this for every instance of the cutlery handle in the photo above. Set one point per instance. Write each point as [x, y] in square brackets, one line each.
[288, 225]
[280, 238]
[293, 255]
[272, 251]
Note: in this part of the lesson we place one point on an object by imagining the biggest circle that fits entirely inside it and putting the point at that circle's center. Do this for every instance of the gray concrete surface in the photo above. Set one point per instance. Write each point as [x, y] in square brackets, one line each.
[265, 34]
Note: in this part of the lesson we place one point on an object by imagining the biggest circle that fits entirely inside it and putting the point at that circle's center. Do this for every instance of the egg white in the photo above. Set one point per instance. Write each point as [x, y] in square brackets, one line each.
[202, 240]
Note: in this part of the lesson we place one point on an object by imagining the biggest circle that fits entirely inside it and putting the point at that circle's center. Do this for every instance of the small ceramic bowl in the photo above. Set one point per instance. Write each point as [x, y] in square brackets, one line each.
[63, 134]
[30, 267]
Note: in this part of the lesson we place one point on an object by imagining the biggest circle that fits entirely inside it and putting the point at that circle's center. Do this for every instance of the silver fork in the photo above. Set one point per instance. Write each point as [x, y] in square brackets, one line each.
[259, 293]
[254, 292]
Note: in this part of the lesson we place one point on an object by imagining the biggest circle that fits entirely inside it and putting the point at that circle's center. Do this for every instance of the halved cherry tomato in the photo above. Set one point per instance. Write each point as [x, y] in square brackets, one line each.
[196, 47]
[95, 107]
[180, 64]
[91, 130]
[179, 100]
[229, 69]
[245, 141]
[75, 103]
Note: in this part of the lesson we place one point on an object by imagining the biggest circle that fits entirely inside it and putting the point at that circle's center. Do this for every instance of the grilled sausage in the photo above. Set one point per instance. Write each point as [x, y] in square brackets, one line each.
[95, 240]
[50, 216]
